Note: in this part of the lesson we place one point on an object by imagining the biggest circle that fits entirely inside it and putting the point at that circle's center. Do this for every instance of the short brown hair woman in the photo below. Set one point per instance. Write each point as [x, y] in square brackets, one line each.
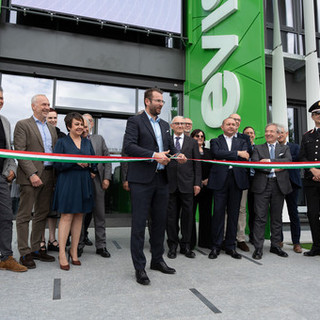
[74, 192]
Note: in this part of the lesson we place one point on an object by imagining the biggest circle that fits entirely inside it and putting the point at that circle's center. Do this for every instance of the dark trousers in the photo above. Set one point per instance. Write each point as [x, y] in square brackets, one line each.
[273, 198]
[313, 205]
[204, 200]
[148, 198]
[292, 205]
[227, 199]
[180, 206]
[6, 217]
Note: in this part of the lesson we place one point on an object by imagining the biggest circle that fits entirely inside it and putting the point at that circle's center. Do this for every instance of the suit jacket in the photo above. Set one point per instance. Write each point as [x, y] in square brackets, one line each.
[219, 173]
[140, 141]
[27, 137]
[246, 138]
[294, 174]
[184, 176]
[100, 148]
[8, 164]
[310, 151]
[260, 179]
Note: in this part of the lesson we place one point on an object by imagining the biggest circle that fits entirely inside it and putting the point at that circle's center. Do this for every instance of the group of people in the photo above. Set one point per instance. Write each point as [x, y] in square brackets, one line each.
[52, 190]
[165, 191]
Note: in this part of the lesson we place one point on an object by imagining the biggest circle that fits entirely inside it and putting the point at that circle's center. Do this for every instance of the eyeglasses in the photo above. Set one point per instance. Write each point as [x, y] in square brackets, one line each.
[158, 101]
[199, 136]
[188, 124]
[179, 123]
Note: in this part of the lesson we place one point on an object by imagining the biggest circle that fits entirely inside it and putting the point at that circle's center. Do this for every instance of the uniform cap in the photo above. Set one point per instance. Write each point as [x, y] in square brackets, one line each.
[315, 107]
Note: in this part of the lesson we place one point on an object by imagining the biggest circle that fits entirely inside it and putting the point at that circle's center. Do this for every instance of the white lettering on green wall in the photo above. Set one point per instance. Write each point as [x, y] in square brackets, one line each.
[212, 108]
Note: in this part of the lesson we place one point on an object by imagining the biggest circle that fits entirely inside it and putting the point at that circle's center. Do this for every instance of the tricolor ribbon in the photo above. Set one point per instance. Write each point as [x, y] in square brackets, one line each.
[57, 157]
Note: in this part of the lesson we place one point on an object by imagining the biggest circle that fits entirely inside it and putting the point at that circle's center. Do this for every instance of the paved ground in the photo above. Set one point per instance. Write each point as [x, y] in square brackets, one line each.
[274, 288]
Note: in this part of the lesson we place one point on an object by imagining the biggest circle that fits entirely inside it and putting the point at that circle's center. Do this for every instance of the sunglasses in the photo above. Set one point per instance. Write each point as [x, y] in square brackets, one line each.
[199, 136]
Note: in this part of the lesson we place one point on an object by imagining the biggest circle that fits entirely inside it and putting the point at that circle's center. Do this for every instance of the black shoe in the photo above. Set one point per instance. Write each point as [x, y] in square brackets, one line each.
[233, 253]
[312, 253]
[87, 241]
[278, 251]
[27, 261]
[142, 277]
[172, 254]
[257, 254]
[214, 254]
[190, 254]
[243, 246]
[42, 256]
[162, 267]
[52, 247]
[183, 250]
[103, 252]
[80, 252]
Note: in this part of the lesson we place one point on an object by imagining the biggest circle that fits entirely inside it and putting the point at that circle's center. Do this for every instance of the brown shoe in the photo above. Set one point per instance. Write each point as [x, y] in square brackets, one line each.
[42, 256]
[27, 261]
[12, 265]
[243, 246]
[297, 248]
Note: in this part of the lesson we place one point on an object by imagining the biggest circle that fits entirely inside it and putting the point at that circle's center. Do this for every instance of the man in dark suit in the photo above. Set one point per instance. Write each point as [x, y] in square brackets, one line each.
[227, 183]
[242, 221]
[149, 136]
[292, 197]
[184, 184]
[8, 172]
[35, 179]
[310, 151]
[269, 187]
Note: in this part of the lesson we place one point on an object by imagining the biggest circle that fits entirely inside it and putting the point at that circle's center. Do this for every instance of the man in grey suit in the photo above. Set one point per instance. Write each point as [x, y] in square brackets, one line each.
[184, 183]
[8, 169]
[101, 183]
[269, 187]
[36, 180]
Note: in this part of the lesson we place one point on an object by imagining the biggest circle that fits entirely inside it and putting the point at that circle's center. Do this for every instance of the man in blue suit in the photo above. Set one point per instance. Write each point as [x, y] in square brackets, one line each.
[292, 197]
[227, 183]
[149, 136]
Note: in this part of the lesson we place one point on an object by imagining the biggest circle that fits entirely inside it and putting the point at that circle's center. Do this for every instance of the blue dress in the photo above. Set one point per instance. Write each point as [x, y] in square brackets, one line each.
[74, 191]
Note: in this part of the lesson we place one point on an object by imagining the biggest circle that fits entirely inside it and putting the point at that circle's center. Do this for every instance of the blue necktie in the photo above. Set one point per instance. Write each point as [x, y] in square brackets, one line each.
[178, 147]
[272, 155]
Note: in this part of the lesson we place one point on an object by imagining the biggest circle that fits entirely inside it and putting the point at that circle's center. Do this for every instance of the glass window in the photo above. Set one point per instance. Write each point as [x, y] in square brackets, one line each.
[317, 14]
[94, 97]
[18, 91]
[286, 13]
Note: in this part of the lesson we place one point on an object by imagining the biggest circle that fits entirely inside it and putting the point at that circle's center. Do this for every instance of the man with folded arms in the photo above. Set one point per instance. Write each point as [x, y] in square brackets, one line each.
[270, 187]
[227, 183]
[36, 181]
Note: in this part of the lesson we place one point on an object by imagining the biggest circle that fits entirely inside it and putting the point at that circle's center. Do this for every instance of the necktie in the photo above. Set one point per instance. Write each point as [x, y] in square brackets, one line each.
[178, 147]
[272, 155]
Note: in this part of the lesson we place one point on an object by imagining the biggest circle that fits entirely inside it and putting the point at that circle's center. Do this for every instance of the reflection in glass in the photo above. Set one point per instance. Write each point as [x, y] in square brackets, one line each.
[18, 91]
[286, 13]
[93, 97]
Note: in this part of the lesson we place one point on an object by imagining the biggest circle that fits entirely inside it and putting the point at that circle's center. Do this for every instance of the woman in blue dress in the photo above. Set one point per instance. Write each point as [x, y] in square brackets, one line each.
[73, 194]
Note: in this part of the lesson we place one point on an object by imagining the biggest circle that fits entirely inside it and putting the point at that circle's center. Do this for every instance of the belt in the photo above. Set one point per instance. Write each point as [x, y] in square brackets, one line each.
[48, 167]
